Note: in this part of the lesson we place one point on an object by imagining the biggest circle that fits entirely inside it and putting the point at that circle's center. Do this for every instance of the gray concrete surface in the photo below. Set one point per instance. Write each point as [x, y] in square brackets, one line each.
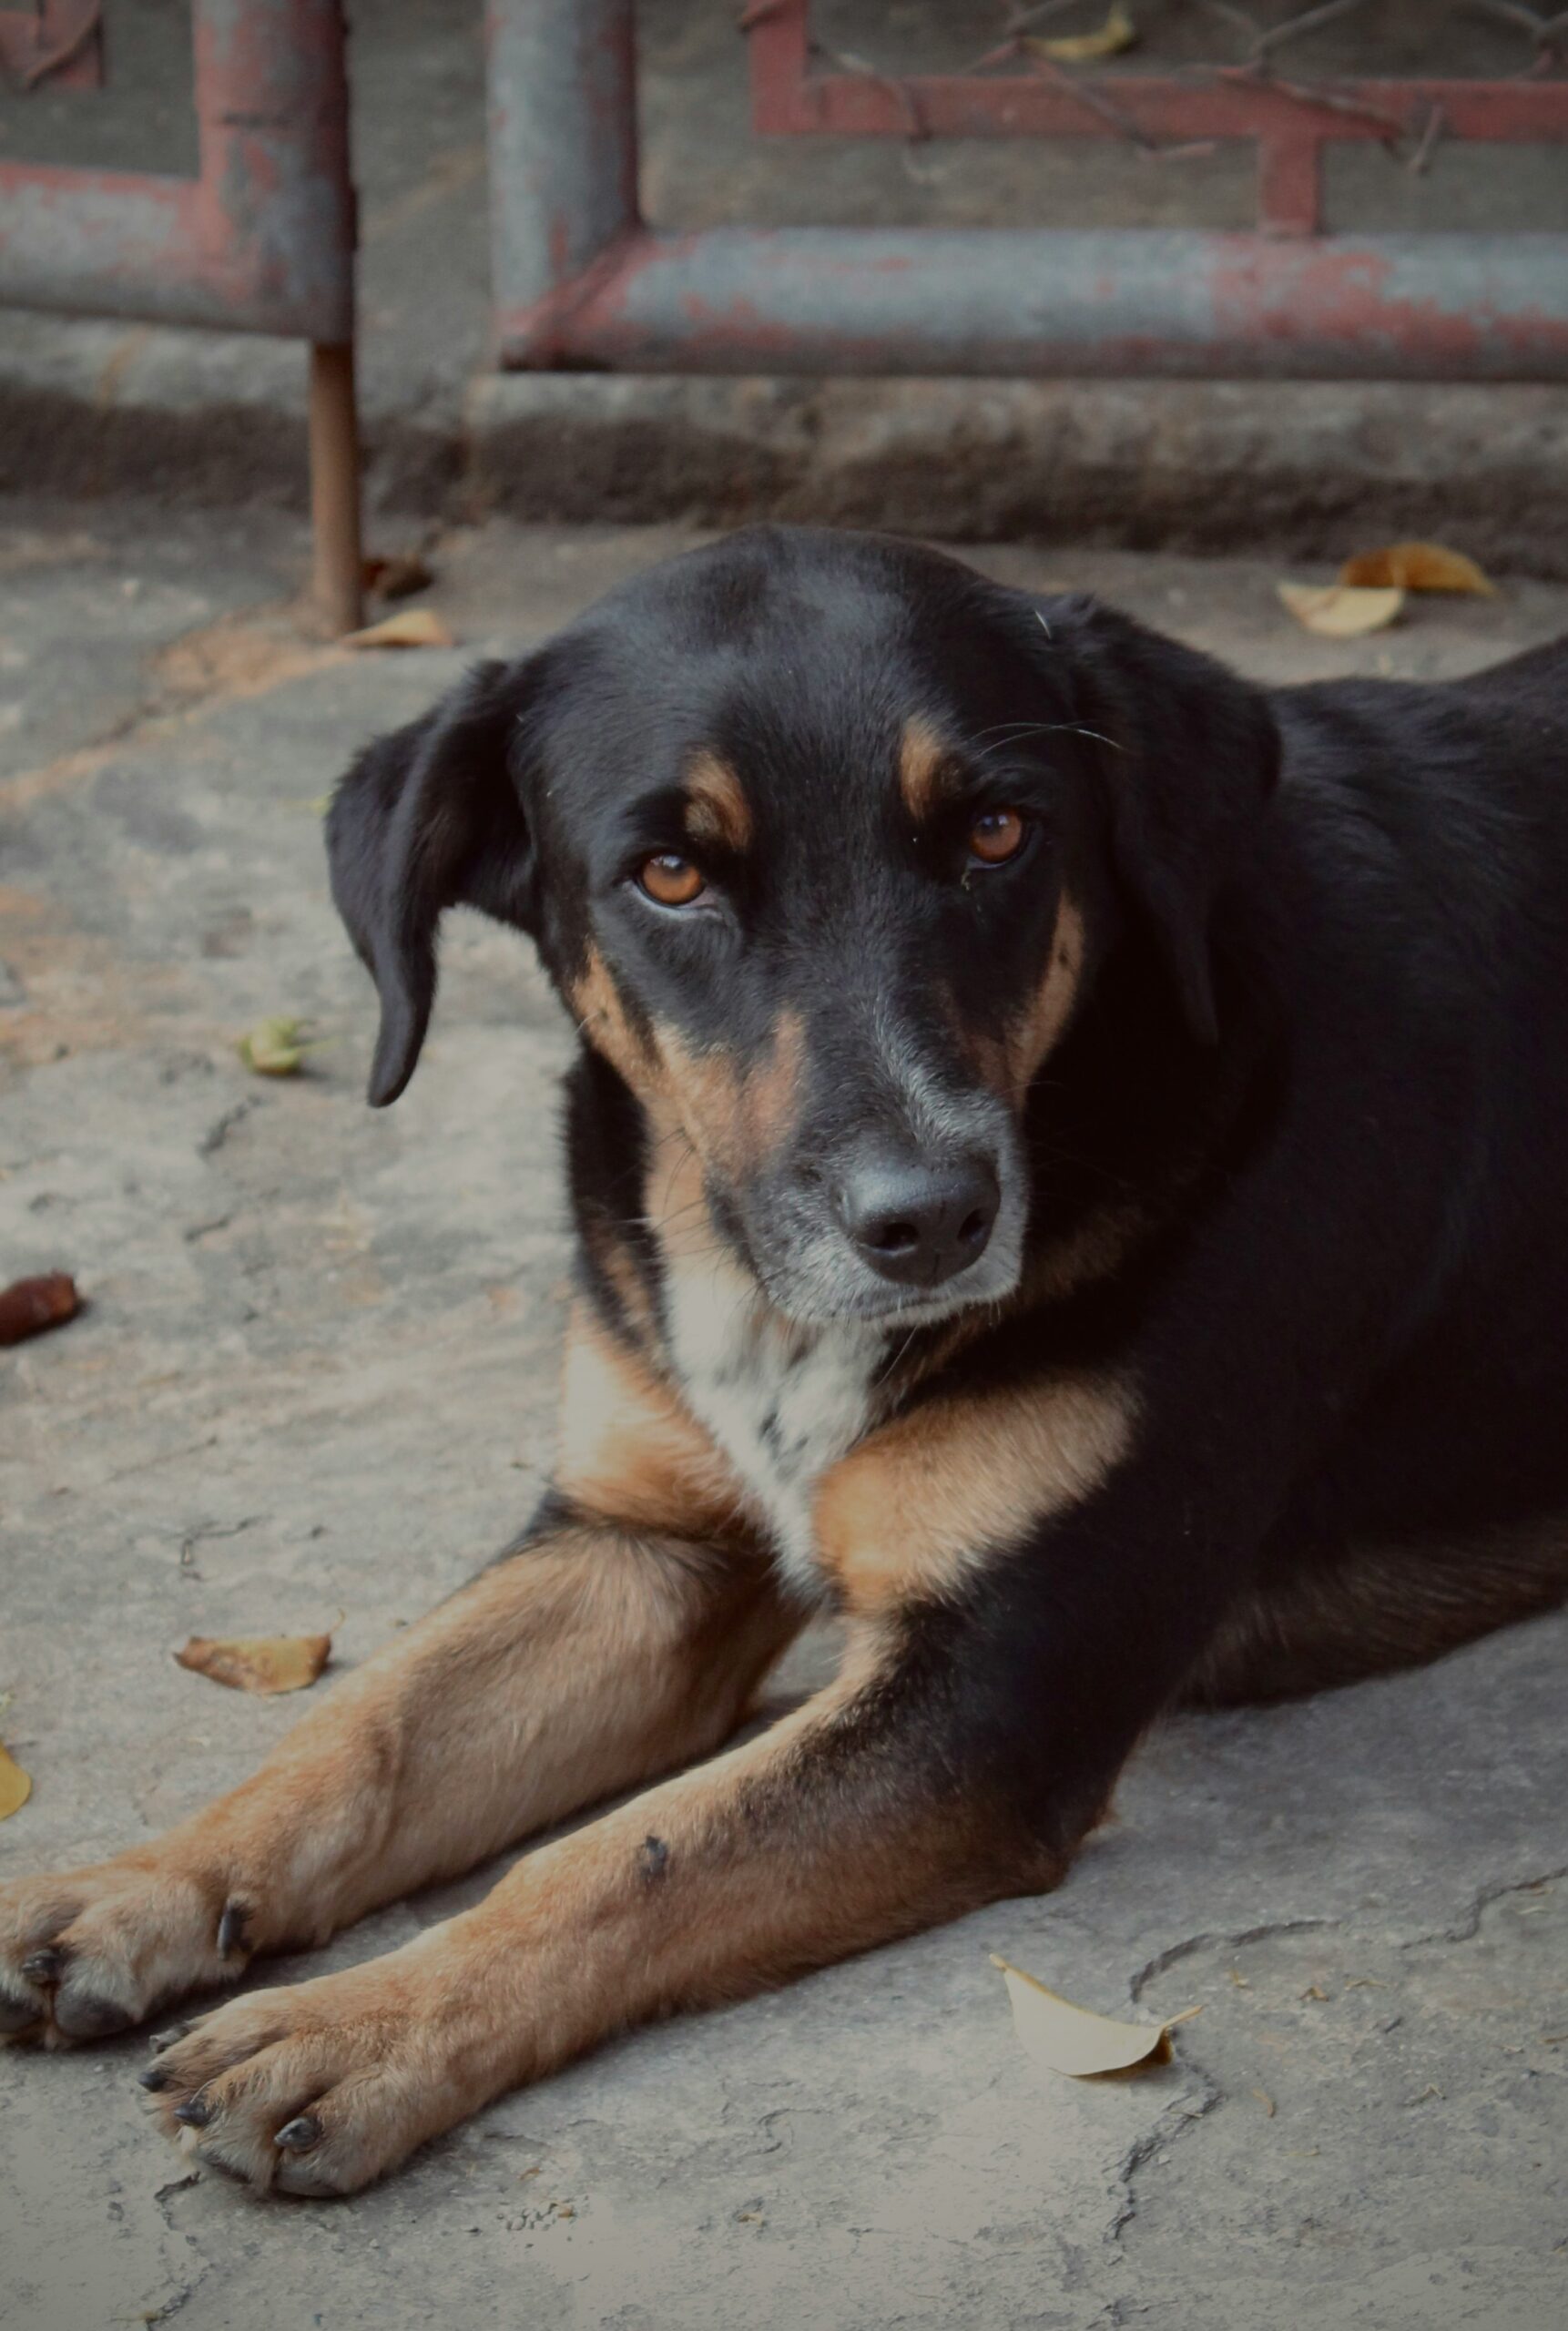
[92, 407]
[315, 1374]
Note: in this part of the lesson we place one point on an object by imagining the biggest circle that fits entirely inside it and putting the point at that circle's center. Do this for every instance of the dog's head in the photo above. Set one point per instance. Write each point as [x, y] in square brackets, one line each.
[823, 837]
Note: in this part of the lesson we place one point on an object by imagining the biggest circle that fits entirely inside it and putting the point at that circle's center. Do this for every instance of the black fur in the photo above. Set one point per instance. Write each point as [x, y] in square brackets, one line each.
[1320, 1055]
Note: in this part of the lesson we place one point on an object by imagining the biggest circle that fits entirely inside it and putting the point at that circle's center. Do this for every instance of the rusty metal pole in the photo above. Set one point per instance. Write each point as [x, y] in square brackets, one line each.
[563, 152]
[335, 487]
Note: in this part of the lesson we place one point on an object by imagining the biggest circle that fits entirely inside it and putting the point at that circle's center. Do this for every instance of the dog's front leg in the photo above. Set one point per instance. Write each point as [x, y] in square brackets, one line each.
[859, 1818]
[594, 1657]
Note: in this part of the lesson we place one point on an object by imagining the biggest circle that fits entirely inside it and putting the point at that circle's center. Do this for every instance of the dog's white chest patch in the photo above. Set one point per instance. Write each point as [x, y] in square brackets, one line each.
[783, 1402]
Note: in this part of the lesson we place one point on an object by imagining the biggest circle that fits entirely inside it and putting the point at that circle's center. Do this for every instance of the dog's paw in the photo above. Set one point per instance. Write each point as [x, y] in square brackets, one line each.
[88, 1953]
[317, 2087]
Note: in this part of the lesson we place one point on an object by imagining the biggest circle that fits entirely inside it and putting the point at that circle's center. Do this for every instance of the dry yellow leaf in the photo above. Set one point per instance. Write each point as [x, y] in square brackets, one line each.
[410, 627]
[1071, 2039]
[1117, 32]
[1418, 566]
[15, 1788]
[1337, 610]
[258, 1662]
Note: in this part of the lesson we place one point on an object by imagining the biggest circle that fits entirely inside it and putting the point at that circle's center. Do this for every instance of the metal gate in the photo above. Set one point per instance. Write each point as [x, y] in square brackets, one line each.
[261, 239]
[582, 282]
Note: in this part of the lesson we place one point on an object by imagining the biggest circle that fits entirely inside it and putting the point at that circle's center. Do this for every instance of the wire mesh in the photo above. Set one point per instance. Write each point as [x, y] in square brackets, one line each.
[1086, 48]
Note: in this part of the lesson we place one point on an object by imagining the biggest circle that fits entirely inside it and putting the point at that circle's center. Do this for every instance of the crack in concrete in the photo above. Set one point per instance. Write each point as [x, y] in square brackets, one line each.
[162, 2195]
[213, 1139]
[1172, 2124]
[203, 1229]
[1468, 1927]
[1175, 2118]
[1177, 1951]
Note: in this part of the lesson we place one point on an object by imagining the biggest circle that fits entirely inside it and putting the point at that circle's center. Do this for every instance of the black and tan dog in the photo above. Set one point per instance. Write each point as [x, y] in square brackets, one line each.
[1068, 1153]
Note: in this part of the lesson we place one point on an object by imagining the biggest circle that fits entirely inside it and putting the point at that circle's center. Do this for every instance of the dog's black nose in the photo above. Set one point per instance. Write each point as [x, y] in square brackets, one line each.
[916, 1220]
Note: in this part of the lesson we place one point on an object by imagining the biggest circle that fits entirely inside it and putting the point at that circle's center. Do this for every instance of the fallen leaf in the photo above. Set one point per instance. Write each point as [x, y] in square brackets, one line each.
[1266, 2100]
[410, 627]
[1337, 611]
[1117, 32]
[1071, 2039]
[396, 577]
[1417, 566]
[258, 1662]
[1314, 1991]
[15, 1788]
[30, 1306]
[272, 1048]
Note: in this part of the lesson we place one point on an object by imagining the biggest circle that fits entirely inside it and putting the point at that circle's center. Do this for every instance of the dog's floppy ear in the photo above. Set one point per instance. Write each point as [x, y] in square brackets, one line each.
[428, 818]
[1190, 755]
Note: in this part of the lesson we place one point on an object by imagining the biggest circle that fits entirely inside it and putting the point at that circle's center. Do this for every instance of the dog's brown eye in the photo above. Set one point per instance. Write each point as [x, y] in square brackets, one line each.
[673, 881]
[996, 837]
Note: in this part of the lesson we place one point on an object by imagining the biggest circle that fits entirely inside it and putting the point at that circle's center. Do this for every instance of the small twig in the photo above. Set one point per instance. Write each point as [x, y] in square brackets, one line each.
[1437, 122]
[903, 95]
[1088, 94]
[1544, 31]
[1297, 27]
[1312, 93]
[1266, 38]
[1025, 20]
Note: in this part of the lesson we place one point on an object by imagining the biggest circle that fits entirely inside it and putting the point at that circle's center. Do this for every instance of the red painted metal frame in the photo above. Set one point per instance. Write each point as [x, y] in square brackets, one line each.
[582, 282]
[61, 43]
[262, 239]
[1288, 128]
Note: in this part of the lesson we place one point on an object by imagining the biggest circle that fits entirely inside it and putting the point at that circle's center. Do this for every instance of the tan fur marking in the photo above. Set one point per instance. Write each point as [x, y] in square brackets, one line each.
[629, 1450]
[611, 1256]
[1379, 1607]
[1097, 1250]
[677, 1199]
[924, 760]
[1010, 1062]
[716, 808]
[707, 1090]
[919, 1504]
[1038, 1028]
[784, 1853]
[602, 1016]
[591, 1660]
[735, 1115]
[774, 1089]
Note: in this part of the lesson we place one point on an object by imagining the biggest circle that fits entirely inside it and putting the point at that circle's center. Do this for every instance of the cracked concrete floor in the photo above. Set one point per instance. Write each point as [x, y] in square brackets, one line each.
[315, 1375]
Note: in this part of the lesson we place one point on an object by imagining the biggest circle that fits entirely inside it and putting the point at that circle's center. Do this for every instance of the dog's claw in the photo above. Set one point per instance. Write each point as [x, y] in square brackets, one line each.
[45, 1966]
[231, 1928]
[298, 2134]
[193, 2112]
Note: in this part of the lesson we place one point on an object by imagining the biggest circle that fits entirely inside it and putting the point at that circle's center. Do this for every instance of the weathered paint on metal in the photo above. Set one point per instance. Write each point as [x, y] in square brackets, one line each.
[1001, 301]
[58, 42]
[262, 239]
[1288, 123]
[788, 99]
[563, 152]
[581, 282]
